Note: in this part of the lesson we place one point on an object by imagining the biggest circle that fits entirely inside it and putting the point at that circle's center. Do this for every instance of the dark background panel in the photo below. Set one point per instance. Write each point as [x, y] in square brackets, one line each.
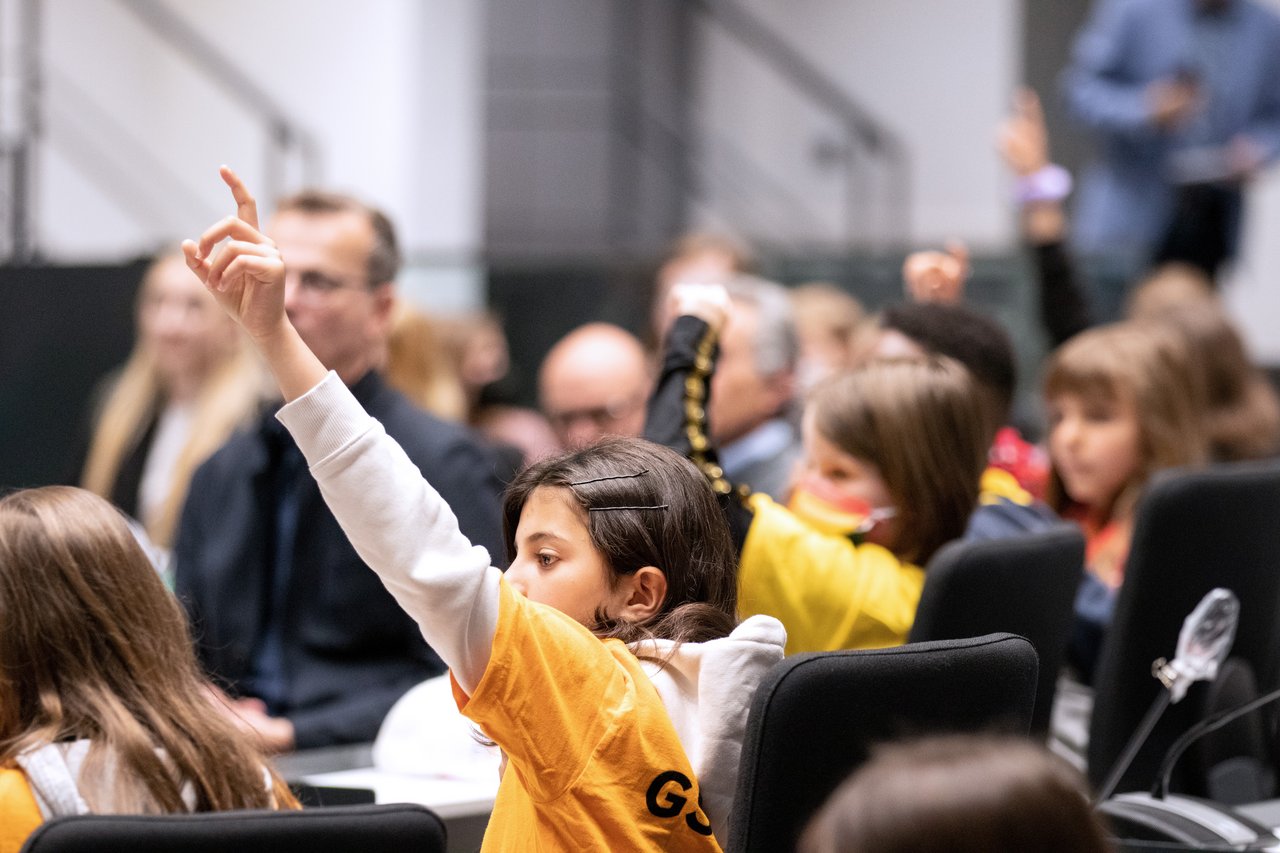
[61, 330]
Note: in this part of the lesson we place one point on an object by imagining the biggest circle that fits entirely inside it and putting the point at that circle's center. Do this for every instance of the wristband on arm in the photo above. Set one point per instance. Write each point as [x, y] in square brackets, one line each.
[1049, 183]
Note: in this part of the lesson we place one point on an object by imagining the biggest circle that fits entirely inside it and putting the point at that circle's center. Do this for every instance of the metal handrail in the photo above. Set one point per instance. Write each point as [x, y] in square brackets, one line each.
[283, 131]
[284, 135]
[875, 137]
[18, 149]
[108, 149]
[708, 170]
[791, 63]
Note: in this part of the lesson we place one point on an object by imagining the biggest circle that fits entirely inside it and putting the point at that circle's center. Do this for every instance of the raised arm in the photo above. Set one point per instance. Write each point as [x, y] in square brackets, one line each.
[396, 521]
[677, 413]
[246, 275]
[1041, 188]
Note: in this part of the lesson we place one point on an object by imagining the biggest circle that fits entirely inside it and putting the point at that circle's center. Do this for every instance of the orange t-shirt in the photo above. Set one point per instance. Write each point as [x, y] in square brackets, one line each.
[1106, 547]
[19, 814]
[593, 760]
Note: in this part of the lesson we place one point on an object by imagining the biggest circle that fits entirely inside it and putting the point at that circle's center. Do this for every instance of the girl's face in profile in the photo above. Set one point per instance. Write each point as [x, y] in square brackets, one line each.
[854, 482]
[1095, 445]
[556, 563]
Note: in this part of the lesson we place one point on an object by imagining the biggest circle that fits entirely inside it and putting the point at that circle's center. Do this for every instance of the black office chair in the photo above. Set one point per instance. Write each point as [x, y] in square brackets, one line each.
[1194, 531]
[1023, 585]
[369, 829]
[816, 716]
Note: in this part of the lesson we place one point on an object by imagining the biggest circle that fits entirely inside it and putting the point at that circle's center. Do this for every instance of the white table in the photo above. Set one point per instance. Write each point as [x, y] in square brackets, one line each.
[463, 804]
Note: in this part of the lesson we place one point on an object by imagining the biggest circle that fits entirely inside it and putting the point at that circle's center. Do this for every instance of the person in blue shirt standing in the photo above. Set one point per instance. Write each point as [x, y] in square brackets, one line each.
[1183, 97]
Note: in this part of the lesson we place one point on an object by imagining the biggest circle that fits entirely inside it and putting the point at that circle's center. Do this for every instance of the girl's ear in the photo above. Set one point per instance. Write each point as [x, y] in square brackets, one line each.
[646, 589]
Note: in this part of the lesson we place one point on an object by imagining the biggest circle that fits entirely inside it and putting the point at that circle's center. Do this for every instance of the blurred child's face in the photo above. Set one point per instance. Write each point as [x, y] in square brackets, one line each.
[1095, 444]
[827, 467]
[556, 563]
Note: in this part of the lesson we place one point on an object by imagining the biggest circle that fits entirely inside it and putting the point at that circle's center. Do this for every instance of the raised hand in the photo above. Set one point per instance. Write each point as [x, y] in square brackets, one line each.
[1024, 145]
[933, 276]
[707, 302]
[1023, 138]
[245, 273]
[243, 270]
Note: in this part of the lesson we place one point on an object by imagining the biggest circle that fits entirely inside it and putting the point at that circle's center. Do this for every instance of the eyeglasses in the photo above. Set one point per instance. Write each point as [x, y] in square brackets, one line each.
[600, 416]
[317, 285]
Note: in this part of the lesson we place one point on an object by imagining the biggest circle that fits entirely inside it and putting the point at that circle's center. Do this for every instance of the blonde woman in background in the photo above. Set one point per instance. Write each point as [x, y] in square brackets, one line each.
[420, 365]
[188, 384]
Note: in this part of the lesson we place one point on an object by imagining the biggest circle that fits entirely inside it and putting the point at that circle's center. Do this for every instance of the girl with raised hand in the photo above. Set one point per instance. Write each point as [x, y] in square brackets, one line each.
[102, 706]
[609, 746]
[893, 453]
[1123, 402]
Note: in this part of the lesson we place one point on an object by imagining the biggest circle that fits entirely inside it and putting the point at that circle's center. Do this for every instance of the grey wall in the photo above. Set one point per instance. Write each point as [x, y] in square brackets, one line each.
[577, 95]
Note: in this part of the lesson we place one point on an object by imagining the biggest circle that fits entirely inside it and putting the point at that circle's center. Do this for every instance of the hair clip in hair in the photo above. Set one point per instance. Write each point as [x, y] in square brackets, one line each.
[639, 473]
[612, 508]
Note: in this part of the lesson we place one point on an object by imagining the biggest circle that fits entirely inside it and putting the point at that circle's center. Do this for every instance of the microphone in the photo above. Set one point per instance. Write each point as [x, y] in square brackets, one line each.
[1209, 725]
[1203, 644]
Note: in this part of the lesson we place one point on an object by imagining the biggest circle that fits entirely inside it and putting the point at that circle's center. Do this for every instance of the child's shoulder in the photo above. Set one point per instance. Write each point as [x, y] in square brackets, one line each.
[19, 814]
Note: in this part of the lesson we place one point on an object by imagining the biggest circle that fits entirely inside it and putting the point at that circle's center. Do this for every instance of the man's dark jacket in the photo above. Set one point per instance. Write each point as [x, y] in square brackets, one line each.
[349, 651]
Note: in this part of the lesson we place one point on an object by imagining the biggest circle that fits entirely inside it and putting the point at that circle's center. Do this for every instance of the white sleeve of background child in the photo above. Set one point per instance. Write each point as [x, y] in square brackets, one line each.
[399, 525]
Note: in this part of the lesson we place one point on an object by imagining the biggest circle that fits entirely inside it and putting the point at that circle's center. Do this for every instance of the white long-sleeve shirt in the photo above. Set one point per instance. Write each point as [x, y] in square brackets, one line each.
[403, 529]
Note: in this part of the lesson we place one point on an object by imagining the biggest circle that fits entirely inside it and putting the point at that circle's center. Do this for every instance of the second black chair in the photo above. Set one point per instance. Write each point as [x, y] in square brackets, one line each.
[1193, 531]
[1023, 585]
[815, 718]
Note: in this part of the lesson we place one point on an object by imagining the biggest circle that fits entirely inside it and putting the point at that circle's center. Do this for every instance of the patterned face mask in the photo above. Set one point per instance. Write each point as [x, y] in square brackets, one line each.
[826, 508]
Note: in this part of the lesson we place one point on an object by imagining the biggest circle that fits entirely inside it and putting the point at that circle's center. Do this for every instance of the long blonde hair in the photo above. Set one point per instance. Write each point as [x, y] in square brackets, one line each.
[419, 365]
[228, 397]
[95, 648]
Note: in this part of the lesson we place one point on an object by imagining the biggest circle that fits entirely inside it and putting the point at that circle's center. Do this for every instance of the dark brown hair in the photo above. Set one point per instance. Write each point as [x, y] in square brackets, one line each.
[975, 340]
[384, 258]
[959, 794]
[923, 427]
[94, 647]
[646, 505]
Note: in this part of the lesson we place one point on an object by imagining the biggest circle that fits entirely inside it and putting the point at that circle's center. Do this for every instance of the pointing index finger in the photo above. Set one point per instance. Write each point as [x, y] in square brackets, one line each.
[233, 227]
[246, 206]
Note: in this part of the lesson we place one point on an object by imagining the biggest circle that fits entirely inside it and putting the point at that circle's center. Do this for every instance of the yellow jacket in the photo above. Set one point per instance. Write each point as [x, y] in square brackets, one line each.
[829, 593]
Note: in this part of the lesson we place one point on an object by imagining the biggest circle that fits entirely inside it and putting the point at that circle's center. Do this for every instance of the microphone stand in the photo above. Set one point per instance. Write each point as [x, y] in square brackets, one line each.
[1135, 743]
[1203, 643]
[1160, 789]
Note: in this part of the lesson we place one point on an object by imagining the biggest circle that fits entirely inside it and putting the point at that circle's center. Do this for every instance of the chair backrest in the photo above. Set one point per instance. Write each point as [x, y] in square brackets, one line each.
[1193, 531]
[1023, 585]
[816, 716]
[370, 829]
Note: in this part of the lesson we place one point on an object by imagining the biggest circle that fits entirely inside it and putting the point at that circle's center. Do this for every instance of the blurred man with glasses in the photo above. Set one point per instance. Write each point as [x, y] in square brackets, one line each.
[594, 382]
